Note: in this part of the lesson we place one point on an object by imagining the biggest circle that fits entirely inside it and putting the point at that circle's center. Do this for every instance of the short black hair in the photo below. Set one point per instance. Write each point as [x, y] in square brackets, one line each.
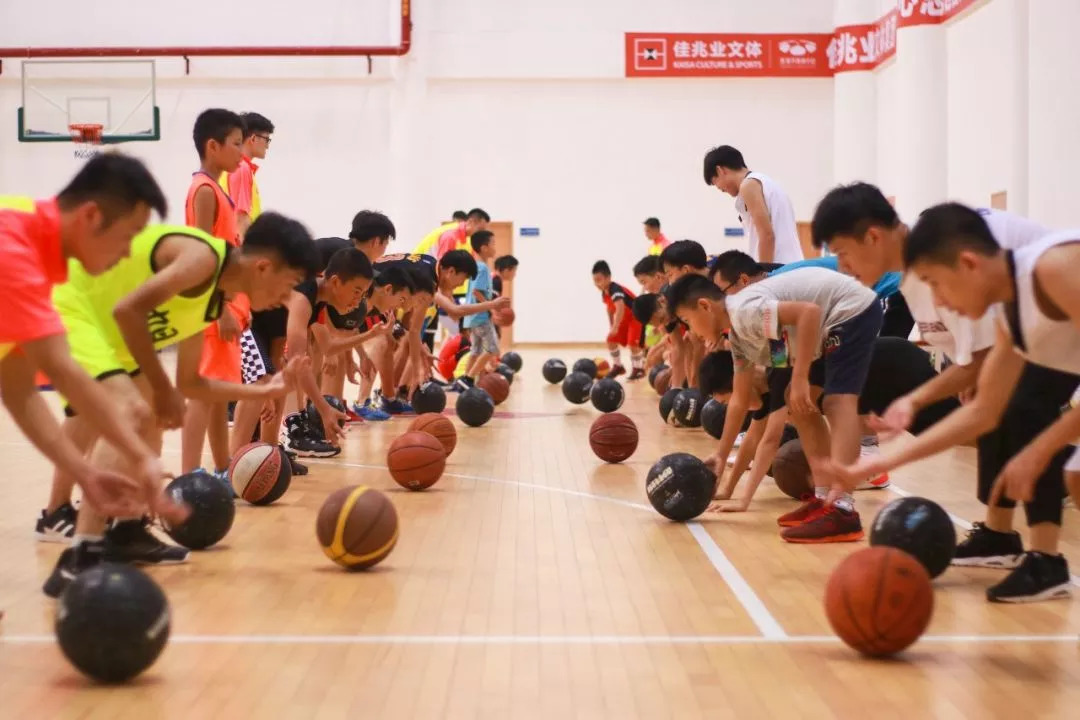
[723, 156]
[716, 373]
[116, 183]
[652, 222]
[460, 260]
[505, 262]
[256, 124]
[369, 225]
[648, 265]
[851, 210]
[215, 124]
[601, 267]
[479, 214]
[480, 238]
[348, 263]
[421, 280]
[731, 264]
[460, 216]
[287, 238]
[645, 306]
[396, 278]
[684, 252]
[943, 231]
[690, 288]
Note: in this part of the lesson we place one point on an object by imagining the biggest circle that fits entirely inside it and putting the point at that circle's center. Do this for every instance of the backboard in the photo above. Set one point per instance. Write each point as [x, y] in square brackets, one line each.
[117, 94]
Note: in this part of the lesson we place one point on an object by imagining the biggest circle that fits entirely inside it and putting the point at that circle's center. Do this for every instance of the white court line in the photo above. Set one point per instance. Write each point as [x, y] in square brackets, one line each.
[548, 639]
[958, 521]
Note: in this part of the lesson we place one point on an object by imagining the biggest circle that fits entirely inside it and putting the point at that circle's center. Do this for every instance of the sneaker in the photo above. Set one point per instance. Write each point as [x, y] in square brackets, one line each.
[297, 468]
[462, 384]
[130, 541]
[57, 526]
[869, 447]
[73, 561]
[834, 524]
[811, 506]
[352, 417]
[295, 424]
[304, 446]
[396, 406]
[738, 440]
[616, 371]
[637, 374]
[223, 476]
[988, 548]
[369, 412]
[1038, 577]
[879, 483]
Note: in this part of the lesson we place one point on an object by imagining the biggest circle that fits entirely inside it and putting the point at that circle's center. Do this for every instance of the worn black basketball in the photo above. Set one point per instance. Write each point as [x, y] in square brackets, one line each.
[713, 413]
[429, 398]
[654, 372]
[667, 401]
[554, 370]
[506, 371]
[314, 419]
[680, 487]
[212, 509]
[576, 387]
[687, 408]
[512, 360]
[919, 527]
[607, 395]
[475, 407]
[112, 622]
[587, 366]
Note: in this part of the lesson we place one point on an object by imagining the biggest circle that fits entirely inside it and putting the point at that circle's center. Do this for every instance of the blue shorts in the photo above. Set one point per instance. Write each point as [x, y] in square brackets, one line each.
[847, 350]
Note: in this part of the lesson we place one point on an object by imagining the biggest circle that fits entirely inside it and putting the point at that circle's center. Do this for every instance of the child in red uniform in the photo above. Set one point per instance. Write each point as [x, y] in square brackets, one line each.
[625, 330]
[219, 140]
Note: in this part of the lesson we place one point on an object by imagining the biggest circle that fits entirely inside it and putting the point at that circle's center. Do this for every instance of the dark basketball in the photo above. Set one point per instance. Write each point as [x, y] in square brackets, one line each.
[791, 471]
[712, 417]
[506, 371]
[667, 402]
[429, 398]
[554, 371]
[512, 360]
[112, 622]
[314, 419]
[879, 600]
[607, 395]
[920, 528]
[576, 387]
[416, 460]
[439, 427]
[212, 509]
[613, 437]
[663, 381]
[687, 408]
[587, 366]
[680, 487]
[495, 385]
[357, 527]
[654, 372]
[475, 407]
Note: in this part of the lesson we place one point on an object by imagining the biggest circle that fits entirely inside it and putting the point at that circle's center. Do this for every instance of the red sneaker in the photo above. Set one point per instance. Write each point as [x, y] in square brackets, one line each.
[811, 506]
[832, 525]
[637, 374]
[616, 371]
[352, 418]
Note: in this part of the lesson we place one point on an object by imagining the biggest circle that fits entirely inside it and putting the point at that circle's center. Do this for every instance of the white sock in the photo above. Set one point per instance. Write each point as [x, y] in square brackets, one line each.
[615, 358]
[821, 493]
[80, 539]
[638, 361]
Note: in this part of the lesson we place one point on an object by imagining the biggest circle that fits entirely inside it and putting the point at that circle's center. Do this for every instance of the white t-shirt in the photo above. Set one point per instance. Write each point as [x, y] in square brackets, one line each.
[953, 334]
[786, 248]
[757, 337]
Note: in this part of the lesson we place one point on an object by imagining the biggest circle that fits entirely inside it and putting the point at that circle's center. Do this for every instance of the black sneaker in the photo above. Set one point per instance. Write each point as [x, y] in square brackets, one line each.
[1038, 577]
[297, 468]
[73, 561]
[296, 424]
[57, 526]
[984, 547]
[304, 446]
[463, 383]
[130, 541]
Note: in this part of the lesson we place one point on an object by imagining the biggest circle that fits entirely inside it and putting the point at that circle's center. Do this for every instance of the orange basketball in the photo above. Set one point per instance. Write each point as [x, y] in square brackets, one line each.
[504, 317]
[613, 437]
[416, 460]
[879, 600]
[495, 385]
[663, 381]
[260, 473]
[439, 427]
[357, 527]
[603, 367]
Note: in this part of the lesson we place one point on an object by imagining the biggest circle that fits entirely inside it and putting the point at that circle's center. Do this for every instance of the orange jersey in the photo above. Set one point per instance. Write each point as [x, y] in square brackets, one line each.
[225, 226]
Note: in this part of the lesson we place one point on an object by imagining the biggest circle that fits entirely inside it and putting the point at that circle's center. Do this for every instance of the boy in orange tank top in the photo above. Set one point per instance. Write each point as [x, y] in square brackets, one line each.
[218, 138]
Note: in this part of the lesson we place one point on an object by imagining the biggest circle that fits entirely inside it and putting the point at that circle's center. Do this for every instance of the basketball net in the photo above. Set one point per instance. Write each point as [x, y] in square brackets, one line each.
[87, 139]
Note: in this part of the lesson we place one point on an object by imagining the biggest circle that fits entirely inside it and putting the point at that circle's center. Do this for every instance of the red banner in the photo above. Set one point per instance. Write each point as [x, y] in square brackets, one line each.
[726, 55]
[863, 47]
[930, 12]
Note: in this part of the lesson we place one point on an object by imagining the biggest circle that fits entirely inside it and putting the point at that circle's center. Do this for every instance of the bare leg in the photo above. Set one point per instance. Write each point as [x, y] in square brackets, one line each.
[218, 431]
[1045, 537]
[193, 435]
[83, 435]
[1072, 484]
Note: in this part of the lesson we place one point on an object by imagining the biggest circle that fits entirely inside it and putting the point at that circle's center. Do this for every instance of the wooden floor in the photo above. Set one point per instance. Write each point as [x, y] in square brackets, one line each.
[534, 581]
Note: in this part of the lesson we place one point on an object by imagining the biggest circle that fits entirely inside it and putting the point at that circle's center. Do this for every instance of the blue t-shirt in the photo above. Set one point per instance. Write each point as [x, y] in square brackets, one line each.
[481, 282]
[889, 284]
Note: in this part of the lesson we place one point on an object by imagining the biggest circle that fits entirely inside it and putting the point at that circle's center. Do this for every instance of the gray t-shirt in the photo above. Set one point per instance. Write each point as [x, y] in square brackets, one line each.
[757, 338]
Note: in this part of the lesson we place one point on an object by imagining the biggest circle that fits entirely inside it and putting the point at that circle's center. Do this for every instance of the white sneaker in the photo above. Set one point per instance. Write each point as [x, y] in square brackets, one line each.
[870, 449]
[738, 440]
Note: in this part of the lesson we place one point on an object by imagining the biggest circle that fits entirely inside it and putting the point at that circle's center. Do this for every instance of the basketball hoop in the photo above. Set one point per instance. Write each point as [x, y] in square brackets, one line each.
[87, 139]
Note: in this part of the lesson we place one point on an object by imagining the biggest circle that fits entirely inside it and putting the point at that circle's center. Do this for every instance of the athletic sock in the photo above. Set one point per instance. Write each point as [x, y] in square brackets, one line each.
[637, 362]
[615, 357]
[821, 493]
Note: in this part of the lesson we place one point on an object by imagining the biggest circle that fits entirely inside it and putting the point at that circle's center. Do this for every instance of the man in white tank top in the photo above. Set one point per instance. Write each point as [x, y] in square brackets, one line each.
[862, 228]
[765, 210]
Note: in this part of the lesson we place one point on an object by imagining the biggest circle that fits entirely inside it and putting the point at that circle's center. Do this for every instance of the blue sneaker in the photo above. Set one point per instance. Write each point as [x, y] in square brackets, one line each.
[223, 476]
[367, 411]
[394, 406]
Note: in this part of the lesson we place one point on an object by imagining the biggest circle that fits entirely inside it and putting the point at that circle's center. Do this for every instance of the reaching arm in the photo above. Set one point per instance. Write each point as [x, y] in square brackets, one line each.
[754, 197]
[807, 319]
[763, 458]
[459, 311]
[737, 406]
[195, 386]
[952, 381]
[742, 458]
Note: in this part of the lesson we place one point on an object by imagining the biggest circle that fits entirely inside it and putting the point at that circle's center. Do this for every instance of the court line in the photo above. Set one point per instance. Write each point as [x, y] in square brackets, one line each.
[549, 639]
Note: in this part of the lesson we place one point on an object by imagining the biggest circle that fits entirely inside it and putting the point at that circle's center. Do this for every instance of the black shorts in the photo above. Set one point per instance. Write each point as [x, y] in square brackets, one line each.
[780, 378]
[848, 348]
[269, 325]
[898, 367]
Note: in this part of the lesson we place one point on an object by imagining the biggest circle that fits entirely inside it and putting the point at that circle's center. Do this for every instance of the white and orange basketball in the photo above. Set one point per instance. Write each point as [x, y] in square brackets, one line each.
[260, 473]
